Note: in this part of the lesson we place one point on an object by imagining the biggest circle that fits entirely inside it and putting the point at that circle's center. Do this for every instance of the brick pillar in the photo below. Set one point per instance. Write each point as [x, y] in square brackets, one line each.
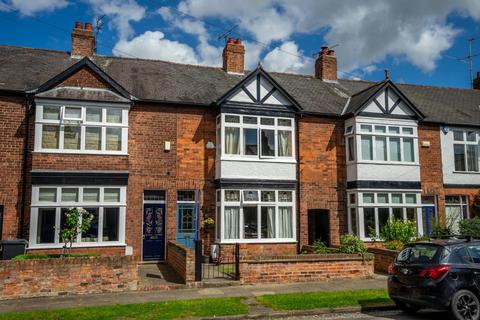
[233, 56]
[326, 65]
[83, 40]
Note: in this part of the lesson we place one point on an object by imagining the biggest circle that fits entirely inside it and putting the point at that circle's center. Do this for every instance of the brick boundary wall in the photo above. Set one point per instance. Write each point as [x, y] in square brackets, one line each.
[51, 277]
[383, 258]
[182, 260]
[303, 268]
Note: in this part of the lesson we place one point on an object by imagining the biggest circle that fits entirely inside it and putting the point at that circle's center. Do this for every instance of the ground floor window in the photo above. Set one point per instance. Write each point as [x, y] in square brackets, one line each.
[255, 215]
[49, 204]
[456, 209]
[369, 211]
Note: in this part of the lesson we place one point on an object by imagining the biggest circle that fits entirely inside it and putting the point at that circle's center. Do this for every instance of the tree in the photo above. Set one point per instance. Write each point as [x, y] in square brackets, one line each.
[77, 221]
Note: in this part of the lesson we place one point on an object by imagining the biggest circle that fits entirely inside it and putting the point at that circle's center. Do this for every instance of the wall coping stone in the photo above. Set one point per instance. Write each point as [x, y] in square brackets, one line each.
[311, 258]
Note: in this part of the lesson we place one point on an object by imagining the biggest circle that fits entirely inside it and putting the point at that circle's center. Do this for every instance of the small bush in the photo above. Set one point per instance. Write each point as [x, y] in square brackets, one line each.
[394, 245]
[438, 230]
[399, 230]
[470, 227]
[30, 256]
[319, 247]
[352, 244]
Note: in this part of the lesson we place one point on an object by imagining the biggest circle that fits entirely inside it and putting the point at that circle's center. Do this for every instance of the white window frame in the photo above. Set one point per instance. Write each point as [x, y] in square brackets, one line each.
[464, 143]
[357, 133]
[462, 204]
[83, 124]
[359, 206]
[221, 203]
[58, 205]
[221, 124]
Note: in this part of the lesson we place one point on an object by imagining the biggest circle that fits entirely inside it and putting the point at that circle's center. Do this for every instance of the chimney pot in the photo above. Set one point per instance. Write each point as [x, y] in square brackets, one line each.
[233, 56]
[326, 65]
[83, 40]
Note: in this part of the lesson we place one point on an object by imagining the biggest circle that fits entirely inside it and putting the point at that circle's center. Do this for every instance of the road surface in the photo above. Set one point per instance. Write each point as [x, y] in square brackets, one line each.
[379, 315]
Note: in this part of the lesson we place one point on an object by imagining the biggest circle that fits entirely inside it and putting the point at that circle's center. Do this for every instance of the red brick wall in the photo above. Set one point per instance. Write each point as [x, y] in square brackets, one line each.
[259, 250]
[85, 77]
[50, 277]
[103, 251]
[322, 174]
[431, 174]
[182, 260]
[12, 131]
[305, 268]
[383, 259]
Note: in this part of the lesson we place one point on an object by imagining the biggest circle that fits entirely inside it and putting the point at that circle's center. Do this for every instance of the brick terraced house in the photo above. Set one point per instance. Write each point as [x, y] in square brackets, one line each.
[278, 160]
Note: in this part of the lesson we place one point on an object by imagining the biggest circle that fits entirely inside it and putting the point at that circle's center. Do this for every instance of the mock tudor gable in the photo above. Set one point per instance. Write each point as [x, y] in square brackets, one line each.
[383, 99]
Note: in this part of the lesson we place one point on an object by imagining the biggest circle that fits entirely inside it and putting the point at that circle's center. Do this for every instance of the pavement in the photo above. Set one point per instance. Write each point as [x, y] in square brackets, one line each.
[133, 297]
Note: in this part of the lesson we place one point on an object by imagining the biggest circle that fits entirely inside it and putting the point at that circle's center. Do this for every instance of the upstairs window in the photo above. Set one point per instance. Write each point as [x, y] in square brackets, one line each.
[384, 143]
[466, 146]
[81, 129]
[256, 136]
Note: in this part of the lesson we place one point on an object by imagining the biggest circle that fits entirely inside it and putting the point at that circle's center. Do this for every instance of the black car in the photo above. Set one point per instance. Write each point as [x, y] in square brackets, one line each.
[438, 274]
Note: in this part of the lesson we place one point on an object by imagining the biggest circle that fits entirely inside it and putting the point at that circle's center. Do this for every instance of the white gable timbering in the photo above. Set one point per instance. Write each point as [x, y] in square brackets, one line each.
[259, 90]
[388, 102]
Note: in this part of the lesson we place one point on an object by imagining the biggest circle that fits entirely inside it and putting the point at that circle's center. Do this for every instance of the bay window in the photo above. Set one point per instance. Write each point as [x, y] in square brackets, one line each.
[255, 137]
[456, 210]
[369, 211]
[49, 204]
[381, 143]
[255, 215]
[466, 150]
[81, 129]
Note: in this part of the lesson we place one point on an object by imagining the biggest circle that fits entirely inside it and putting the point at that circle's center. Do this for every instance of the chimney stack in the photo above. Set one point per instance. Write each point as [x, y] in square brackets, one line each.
[83, 40]
[326, 65]
[476, 82]
[233, 56]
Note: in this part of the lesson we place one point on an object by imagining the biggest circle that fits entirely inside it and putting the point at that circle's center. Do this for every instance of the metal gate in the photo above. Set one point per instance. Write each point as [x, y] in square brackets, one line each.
[224, 265]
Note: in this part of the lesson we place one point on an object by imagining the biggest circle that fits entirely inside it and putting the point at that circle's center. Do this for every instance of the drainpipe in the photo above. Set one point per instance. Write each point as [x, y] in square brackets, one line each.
[28, 111]
[297, 155]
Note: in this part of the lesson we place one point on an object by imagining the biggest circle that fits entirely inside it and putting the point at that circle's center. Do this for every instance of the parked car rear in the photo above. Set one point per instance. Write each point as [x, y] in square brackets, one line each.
[439, 274]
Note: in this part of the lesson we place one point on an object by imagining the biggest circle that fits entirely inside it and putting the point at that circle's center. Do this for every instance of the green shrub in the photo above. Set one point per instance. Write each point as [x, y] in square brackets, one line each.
[470, 227]
[439, 230]
[394, 245]
[29, 256]
[400, 230]
[350, 243]
[319, 247]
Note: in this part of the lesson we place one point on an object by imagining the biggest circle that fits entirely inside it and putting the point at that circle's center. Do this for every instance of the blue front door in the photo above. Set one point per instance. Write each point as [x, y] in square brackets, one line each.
[428, 217]
[154, 231]
[186, 224]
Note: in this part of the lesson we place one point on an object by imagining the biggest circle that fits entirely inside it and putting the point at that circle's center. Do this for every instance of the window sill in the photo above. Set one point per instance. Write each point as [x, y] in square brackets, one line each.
[247, 159]
[466, 172]
[81, 245]
[386, 163]
[74, 152]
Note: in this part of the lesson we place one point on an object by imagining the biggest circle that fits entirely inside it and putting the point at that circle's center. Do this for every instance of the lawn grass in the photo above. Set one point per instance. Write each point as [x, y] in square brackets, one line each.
[332, 299]
[157, 310]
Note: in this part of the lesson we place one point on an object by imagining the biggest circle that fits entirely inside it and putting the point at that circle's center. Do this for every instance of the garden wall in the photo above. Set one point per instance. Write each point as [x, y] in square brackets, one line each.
[383, 258]
[50, 277]
[182, 260]
[308, 267]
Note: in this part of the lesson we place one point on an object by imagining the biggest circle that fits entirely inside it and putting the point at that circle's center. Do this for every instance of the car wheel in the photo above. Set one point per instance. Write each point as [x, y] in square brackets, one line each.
[406, 307]
[465, 306]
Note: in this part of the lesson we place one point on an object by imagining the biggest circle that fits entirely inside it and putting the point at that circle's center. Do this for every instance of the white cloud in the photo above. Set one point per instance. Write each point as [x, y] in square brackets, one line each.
[30, 8]
[120, 14]
[153, 45]
[293, 61]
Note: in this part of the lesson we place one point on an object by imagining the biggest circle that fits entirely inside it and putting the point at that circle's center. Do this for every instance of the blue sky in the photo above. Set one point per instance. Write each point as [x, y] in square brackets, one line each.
[418, 43]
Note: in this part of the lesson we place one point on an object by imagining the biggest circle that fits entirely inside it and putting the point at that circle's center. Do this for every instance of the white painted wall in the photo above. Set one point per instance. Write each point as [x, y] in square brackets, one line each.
[383, 172]
[256, 170]
[448, 162]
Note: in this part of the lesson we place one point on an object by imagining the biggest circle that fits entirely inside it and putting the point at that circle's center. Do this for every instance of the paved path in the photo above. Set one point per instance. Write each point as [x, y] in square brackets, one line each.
[59, 302]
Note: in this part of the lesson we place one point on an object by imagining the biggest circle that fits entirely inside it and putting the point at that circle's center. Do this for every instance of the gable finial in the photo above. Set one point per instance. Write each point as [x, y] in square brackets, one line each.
[387, 74]
[259, 65]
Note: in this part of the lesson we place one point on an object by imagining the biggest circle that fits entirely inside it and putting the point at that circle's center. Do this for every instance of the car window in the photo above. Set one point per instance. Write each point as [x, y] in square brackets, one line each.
[461, 255]
[419, 254]
[474, 251]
